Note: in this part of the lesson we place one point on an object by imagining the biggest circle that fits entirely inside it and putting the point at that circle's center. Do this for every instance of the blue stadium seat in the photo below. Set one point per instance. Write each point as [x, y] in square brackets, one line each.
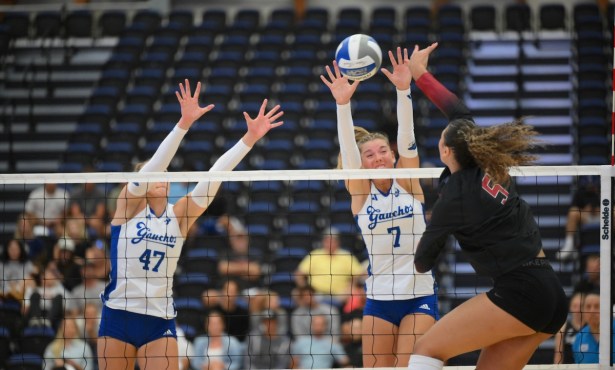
[234, 43]
[201, 260]
[18, 24]
[190, 314]
[268, 59]
[319, 14]
[482, 17]
[151, 19]
[115, 77]
[283, 283]
[552, 17]
[215, 18]
[110, 166]
[191, 285]
[227, 59]
[287, 259]
[268, 42]
[283, 16]
[164, 44]
[518, 17]
[48, 24]
[34, 339]
[24, 361]
[249, 18]
[199, 43]
[105, 95]
[79, 23]
[130, 44]
[450, 10]
[383, 12]
[182, 17]
[192, 59]
[112, 23]
[141, 95]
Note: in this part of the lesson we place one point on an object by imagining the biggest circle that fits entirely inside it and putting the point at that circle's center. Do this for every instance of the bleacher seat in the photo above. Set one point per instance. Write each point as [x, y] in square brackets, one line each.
[518, 17]
[48, 24]
[552, 17]
[34, 339]
[287, 259]
[79, 23]
[18, 23]
[112, 23]
[483, 18]
[191, 284]
[150, 19]
[182, 17]
[24, 361]
[190, 312]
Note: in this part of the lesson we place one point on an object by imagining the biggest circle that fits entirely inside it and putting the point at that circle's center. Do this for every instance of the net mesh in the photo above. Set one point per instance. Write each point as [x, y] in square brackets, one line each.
[248, 257]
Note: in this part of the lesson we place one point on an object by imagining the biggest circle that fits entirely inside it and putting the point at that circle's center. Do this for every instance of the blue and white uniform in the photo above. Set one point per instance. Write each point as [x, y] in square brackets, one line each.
[392, 224]
[144, 255]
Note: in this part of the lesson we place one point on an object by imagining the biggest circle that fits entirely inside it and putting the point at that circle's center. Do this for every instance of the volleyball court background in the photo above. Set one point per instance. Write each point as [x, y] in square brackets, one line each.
[93, 91]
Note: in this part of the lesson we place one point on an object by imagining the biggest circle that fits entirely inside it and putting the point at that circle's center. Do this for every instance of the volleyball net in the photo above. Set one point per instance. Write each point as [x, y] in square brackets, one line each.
[259, 254]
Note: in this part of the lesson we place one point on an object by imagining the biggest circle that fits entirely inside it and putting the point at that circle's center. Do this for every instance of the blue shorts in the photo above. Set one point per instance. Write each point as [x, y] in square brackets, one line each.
[134, 328]
[395, 311]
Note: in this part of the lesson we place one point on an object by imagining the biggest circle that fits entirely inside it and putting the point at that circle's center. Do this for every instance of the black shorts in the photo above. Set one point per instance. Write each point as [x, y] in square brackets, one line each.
[533, 294]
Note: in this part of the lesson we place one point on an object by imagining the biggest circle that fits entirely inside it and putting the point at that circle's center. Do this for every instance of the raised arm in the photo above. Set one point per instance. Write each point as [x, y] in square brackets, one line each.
[406, 141]
[195, 203]
[342, 92]
[132, 195]
[445, 100]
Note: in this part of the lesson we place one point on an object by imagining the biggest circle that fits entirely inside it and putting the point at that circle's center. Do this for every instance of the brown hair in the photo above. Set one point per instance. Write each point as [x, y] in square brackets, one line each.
[494, 149]
[362, 136]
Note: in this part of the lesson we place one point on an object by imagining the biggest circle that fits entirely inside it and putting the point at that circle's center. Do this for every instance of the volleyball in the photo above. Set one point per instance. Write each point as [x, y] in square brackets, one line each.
[358, 57]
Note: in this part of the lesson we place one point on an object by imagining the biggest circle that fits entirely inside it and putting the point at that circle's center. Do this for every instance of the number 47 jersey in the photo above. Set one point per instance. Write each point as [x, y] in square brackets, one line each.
[392, 224]
[144, 255]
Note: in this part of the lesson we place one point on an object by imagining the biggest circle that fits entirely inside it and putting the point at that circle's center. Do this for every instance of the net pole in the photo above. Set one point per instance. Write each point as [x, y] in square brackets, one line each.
[604, 352]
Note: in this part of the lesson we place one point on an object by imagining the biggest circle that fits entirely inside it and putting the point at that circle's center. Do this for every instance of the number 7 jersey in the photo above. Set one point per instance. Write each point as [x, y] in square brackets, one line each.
[144, 255]
[392, 224]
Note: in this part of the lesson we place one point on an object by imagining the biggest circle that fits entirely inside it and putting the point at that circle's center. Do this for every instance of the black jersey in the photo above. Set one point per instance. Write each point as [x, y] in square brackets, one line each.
[495, 228]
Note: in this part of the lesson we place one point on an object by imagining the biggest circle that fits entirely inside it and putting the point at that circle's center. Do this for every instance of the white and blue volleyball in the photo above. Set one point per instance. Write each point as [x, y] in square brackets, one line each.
[358, 57]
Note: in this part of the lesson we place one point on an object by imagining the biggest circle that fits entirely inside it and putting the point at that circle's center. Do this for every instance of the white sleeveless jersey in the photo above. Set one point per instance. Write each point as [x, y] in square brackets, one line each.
[392, 225]
[144, 255]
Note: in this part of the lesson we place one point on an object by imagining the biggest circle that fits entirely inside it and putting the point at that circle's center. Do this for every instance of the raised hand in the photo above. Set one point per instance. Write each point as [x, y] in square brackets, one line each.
[401, 76]
[340, 87]
[262, 123]
[419, 60]
[191, 111]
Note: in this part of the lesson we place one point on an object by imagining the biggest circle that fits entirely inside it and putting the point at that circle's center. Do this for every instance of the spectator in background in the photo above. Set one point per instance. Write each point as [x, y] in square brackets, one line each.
[89, 324]
[88, 202]
[185, 349]
[566, 336]
[590, 279]
[352, 332]
[320, 350]
[210, 299]
[75, 229]
[44, 303]
[66, 262]
[96, 255]
[264, 300]
[86, 293]
[15, 269]
[587, 341]
[330, 270]
[216, 350]
[46, 207]
[68, 350]
[238, 263]
[307, 307]
[266, 348]
[585, 210]
[236, 317]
